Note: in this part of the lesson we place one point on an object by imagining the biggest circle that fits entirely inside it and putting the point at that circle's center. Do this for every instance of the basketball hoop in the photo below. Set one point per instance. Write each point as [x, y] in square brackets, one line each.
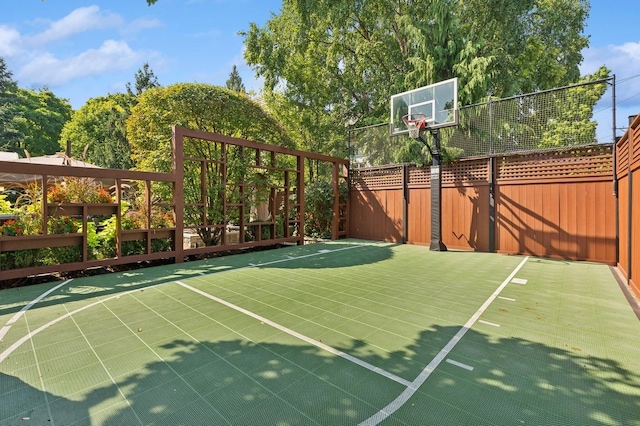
[415, 123]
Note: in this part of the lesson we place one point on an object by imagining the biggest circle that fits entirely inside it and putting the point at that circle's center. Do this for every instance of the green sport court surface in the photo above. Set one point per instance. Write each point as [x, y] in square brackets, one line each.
[341, 333]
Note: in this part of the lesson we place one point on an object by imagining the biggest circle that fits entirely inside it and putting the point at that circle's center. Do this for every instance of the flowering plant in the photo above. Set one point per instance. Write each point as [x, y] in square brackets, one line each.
[57, 194]
[11, 228]
[78, 190]
[63, 225]
[103, 196]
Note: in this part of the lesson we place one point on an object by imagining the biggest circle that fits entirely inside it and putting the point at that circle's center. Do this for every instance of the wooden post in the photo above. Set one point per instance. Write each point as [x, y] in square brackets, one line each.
[178, 191]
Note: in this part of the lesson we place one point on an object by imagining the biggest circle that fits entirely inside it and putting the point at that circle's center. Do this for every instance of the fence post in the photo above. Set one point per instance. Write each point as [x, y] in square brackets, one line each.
[492, 204]
[178, 191]
[405, 203]
[335, 219]
[300, 198]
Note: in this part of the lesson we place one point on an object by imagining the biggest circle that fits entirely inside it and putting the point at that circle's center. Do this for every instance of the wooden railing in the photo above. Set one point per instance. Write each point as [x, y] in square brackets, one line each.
[151, 225]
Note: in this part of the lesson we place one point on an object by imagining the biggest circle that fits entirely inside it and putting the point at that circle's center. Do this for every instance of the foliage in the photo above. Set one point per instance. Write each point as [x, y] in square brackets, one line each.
[42, 117]
[63, 225]
[196, 106]
[66, 254]
[10, 134]
[93, 243]
[319, 208]
[29, 119]
[100, 232]
[573, 114]
[78, 190]
[343, 59]
[106, 238]
[145, 80]
[211, 109]
[10, 228]
[234, 82]
[312, 129]
[100, 128]
[5, 205]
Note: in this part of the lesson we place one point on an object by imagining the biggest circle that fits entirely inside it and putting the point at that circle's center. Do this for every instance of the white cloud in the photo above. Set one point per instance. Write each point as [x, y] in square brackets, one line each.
[48, 70]
[80, 20]
[9, 41]
[624, 61]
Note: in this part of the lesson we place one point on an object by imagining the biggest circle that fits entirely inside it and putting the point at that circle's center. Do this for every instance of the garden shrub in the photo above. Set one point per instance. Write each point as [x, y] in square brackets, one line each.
[319, 208]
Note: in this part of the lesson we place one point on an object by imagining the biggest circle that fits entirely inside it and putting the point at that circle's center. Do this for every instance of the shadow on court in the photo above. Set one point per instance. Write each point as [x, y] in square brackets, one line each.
[514, 381]
[311, 256]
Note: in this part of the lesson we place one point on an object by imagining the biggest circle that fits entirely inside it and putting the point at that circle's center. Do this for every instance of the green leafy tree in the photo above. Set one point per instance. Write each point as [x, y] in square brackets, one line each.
[42, 116]
[211, 109]
[344, 58]
[145, 80]
[10, 135]
[196, 106]
[312, 129]
[572, 119]
[536, 44]
[100, 127]
[234, 82]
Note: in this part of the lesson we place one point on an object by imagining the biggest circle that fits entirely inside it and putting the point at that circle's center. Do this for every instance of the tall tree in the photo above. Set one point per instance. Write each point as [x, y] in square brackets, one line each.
[197, 106]
[100, 127]
[346, 58]
[234, 82]
[10, 135]
[208, 108]
[41, 118]
[145, 79]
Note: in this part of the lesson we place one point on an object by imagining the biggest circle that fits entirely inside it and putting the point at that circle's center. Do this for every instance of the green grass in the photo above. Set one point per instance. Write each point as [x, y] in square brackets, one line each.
[142, 348]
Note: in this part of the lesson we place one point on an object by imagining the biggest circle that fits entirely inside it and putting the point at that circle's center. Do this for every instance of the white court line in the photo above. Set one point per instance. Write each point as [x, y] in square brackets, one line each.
[23, 339]
[4, 330]
[43, 327]
[302, 337]
[40, 375]
[506, 298]
[288, 259]
[493, 324]
[459, 364]
[104, 367]
[394, 405]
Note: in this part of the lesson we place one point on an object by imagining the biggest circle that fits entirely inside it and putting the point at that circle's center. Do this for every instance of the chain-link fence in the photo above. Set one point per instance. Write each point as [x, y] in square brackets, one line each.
[537, 121]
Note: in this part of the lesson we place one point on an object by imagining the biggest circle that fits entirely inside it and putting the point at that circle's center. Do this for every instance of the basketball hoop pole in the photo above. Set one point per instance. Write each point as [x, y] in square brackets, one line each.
[436, 243]
[430, 108]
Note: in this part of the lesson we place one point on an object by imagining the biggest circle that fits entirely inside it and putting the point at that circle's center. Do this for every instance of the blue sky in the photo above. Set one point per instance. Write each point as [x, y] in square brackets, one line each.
[83, 49]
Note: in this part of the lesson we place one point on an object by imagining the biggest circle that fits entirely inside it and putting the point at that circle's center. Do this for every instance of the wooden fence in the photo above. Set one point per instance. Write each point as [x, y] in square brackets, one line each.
[628, 172]
[558, 205]
[242, 194]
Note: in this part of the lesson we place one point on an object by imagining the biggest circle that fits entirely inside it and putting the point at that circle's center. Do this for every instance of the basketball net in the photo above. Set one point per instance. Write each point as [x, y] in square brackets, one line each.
[415, 123]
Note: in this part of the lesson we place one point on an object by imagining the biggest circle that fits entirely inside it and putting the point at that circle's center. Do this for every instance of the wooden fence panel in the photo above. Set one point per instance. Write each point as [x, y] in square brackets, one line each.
[557, 205]
[465, 217]
[572, 220]
[376, 214]
[634, 195]
[622, 171]
[419, 216]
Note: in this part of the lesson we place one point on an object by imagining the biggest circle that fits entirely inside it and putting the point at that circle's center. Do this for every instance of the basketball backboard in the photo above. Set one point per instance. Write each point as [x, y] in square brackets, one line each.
[439, 102]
